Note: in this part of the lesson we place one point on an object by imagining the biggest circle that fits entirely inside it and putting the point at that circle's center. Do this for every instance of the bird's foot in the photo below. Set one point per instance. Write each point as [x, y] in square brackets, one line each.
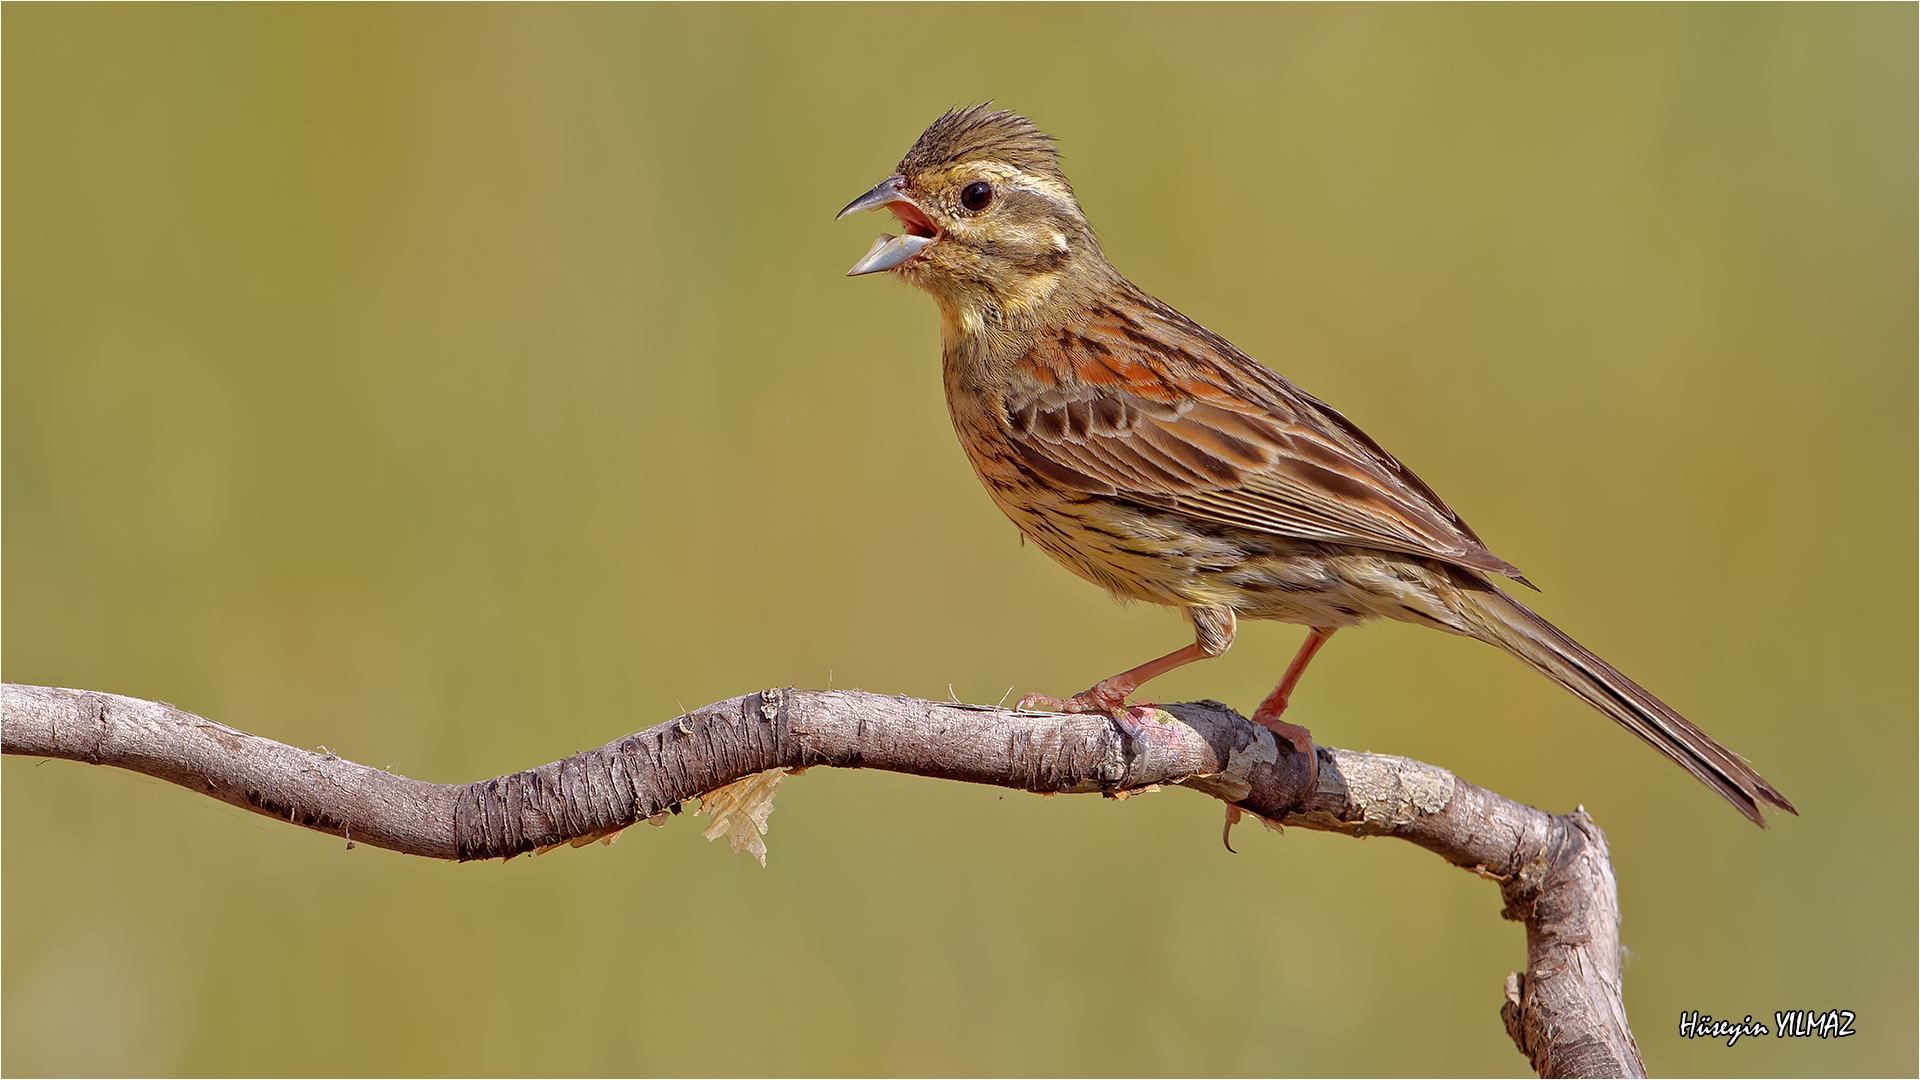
[1300, 738]
[1105, 696]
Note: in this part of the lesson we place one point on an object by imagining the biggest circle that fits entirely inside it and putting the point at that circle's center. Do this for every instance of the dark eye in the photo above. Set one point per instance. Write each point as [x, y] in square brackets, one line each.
[976, 196]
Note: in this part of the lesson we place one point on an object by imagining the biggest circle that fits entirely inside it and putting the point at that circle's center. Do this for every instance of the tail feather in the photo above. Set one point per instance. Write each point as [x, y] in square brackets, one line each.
[1513, 627]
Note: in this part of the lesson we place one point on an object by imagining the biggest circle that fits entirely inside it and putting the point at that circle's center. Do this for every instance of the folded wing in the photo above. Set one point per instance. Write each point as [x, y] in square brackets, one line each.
[1148, 405]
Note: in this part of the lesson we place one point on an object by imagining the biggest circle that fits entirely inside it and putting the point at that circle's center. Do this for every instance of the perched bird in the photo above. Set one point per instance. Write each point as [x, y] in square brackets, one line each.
[1149, 456]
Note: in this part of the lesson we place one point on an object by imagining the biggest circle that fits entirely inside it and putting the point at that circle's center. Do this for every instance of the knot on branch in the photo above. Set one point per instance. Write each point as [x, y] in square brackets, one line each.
[1565, 1011]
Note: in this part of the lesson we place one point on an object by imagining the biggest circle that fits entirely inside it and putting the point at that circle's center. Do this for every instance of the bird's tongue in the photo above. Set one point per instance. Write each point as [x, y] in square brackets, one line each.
[915, 220]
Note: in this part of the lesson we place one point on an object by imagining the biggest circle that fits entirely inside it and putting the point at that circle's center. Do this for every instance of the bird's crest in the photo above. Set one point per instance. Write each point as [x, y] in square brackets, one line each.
[971, 134]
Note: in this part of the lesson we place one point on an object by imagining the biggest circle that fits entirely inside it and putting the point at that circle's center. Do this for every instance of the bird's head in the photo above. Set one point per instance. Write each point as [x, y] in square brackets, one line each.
[992, 229]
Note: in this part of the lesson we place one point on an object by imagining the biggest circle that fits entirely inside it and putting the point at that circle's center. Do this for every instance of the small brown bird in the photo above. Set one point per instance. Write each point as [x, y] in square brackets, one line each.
[1148, 455]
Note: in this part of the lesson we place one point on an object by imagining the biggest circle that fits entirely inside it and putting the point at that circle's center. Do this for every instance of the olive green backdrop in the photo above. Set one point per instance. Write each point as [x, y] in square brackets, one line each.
[457, 388]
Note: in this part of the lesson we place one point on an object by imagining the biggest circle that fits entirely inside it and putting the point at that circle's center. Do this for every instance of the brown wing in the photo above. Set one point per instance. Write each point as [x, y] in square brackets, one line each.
[1146, 404]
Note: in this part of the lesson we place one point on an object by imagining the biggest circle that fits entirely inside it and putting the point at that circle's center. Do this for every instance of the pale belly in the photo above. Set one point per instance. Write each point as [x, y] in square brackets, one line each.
[1164, 557]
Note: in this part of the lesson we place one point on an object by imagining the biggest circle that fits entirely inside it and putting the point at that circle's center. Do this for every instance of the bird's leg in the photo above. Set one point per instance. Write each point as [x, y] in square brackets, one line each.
[1110, 695]
[1213, 630]
[1268, 714]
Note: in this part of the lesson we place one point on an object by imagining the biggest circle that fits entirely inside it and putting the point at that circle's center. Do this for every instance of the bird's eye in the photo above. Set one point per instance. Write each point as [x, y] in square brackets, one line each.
[976, 196]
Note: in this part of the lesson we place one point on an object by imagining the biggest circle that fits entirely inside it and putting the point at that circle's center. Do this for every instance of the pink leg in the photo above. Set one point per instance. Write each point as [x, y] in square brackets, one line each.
[1110, 695]
[1268, 714]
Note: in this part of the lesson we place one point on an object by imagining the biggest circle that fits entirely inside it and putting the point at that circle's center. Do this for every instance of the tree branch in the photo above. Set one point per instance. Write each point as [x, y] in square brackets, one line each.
[1564, 1013]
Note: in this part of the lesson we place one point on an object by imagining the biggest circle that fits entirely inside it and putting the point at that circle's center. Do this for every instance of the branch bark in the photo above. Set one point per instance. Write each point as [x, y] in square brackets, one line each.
[1564, 1012]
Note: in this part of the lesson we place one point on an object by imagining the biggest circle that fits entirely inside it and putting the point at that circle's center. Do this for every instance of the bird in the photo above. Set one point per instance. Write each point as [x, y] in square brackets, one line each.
[1149, 456]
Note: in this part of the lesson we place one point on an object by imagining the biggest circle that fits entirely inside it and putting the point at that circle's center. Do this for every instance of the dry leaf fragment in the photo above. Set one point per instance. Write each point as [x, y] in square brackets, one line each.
[739, 811]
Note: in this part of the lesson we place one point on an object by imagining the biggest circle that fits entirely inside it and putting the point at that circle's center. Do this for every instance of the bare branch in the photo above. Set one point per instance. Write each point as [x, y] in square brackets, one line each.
[1564, 1013]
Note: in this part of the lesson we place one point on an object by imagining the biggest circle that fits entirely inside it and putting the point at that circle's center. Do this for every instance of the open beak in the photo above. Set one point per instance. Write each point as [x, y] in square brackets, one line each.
[890, 251]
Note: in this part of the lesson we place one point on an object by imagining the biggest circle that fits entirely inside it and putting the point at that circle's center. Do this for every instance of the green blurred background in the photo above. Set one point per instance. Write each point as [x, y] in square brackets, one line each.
[459, 387]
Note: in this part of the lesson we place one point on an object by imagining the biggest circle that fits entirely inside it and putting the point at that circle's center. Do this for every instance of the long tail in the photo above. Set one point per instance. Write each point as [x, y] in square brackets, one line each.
[1510, 625]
